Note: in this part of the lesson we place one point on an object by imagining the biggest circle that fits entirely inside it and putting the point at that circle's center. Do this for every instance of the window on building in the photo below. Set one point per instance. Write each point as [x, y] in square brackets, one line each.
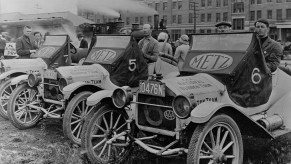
[238, 7]
[141, 21]
[252, 2]
[208, 17]
[191, 18]
[157, 6]
[279, 1]
[218, 17]
[202, 18]
[189, 31]
[150, 19]
[208, 31]
[202, 3]
[209, 2]
[218, 3]
[288, 13]
[165, 17]
[259, 2]
[165, 5]
[259, 14]
[225, 2]
[269, 14]
[202, 31]
[98, 21]
[225, 16]
[179, 19]
[269, 0]
[288, 0]
[136, 20]
[127, 21]
[176, 34]
[150, 5]
[191, 5]
[238, 24]
[179, 5]
[252, 15]
[279, 14]
[174, 5]
[174, 19]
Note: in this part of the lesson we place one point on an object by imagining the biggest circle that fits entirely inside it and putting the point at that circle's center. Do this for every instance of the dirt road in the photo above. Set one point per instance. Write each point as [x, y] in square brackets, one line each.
[45, 144]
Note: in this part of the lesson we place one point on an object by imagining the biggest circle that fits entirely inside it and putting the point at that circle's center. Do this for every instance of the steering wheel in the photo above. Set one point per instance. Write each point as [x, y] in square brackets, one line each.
[73, 49]
[168, 59]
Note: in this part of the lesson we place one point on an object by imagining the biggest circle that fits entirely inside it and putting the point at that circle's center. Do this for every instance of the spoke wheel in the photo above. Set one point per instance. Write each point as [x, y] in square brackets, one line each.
[19, 113]
[218, 141]
[5, 92]
[106, 123]
[75, 116]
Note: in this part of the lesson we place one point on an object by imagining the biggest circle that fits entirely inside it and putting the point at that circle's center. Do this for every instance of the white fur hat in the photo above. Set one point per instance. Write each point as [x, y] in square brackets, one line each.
[163, 36]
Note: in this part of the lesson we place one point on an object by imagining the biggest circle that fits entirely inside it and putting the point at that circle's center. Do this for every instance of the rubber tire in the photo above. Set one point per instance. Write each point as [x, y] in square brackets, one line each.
[3, 111]
[68, 116]
[86, 143]
[11, 107]
[202, 129]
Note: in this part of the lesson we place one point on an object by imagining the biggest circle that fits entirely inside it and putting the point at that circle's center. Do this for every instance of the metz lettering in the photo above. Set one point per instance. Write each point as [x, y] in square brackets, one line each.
[211, 61]
[213, 99]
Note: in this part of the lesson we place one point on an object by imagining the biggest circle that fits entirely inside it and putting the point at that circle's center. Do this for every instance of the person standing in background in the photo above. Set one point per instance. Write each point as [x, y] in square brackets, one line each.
[2, 46]
[24, 45]
[38, 39]
[182, 50]
[83, 42]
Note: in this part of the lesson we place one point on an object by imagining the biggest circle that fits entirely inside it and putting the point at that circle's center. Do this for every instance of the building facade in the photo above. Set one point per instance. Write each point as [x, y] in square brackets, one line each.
[200, 16]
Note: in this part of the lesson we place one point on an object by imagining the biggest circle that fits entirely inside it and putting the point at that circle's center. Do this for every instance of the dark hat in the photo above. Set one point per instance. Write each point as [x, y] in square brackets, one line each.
[223, 24]
[80, 35]
[265, 21]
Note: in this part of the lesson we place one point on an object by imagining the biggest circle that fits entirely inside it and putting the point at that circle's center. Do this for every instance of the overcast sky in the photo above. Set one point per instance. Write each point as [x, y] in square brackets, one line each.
[37, 6]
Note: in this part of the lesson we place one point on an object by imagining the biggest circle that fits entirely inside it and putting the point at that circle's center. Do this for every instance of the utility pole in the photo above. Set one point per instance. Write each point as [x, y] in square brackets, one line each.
[194, 6]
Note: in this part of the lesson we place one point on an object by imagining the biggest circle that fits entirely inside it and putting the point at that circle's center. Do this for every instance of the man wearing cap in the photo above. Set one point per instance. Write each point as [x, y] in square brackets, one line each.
[148, 45]
[83, 42]
[223, 27]
[272, 50]
[182, 50]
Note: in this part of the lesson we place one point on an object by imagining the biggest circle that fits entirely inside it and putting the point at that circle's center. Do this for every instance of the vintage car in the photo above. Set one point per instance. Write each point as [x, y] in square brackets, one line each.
[55, 51]
[224, 90]
[112, 62]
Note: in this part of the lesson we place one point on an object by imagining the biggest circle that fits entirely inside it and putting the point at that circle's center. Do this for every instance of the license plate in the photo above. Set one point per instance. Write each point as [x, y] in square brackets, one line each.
[152, 88]
[50, 74]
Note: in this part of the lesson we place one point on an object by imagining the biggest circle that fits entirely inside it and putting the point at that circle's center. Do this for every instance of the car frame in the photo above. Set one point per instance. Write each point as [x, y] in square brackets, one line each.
[202, 113]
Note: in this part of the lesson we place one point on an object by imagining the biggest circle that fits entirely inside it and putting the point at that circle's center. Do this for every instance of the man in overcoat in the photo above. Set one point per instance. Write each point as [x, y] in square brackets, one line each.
[24, 45]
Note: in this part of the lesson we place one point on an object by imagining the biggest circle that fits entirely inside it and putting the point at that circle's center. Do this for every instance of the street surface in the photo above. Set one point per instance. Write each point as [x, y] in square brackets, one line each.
[45, 144]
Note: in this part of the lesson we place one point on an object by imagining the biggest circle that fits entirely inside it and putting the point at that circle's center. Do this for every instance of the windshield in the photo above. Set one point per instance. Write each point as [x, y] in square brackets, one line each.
[222, 42]
[112, 41]
[50, 46]
[107, 49]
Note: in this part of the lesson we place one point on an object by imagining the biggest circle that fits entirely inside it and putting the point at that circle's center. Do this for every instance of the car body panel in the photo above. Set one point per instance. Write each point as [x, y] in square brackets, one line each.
[96, 97]
[19, 79]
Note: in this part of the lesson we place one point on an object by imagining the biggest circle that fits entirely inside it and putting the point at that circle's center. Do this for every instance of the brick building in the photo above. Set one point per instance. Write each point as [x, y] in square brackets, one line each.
[200, 16]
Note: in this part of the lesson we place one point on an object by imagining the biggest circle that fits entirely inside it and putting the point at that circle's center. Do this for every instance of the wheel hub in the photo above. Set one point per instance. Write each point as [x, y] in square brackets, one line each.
[218, 155]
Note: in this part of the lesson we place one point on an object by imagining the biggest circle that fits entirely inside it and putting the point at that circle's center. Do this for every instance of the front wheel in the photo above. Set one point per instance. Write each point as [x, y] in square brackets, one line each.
[75, 116]
[106, 123]
[217, 141]
[20, 114]
[5, 91]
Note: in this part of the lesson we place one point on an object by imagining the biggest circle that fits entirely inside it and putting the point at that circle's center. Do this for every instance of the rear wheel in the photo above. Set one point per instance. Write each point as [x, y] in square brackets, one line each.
[5, 92]
[19, 113]
[75, 116]
[105, 124]
[217, 141]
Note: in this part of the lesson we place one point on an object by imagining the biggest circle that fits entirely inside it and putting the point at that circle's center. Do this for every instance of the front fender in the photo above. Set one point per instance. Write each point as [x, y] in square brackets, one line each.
[205, 111]
[8, 73]
[19, 79]
[69, 89]
[98, 96]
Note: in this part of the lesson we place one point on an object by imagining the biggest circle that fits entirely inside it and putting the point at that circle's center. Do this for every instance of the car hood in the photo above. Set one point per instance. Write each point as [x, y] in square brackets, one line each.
[94, 74]
[24, 65]
[201, 86]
